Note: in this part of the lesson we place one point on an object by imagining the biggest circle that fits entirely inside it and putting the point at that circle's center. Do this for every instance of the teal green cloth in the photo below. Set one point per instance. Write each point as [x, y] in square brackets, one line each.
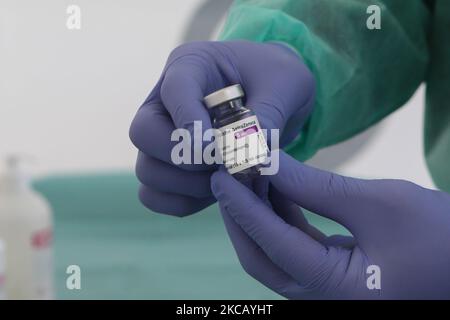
[128, 252]
[362, 75]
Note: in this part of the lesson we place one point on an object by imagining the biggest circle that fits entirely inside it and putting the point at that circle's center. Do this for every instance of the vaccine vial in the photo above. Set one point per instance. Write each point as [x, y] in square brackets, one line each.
[239, 138]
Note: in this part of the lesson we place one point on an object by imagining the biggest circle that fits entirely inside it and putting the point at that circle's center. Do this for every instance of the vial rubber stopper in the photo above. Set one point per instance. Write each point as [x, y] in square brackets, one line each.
[224, 95]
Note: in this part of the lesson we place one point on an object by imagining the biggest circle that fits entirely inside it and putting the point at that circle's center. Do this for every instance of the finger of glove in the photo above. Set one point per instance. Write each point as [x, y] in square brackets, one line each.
[292, 214]
[169, 178]
[182, 91]
[348, 201]
[289, 248]
[256, 263]
[172, 204]
[151, 132]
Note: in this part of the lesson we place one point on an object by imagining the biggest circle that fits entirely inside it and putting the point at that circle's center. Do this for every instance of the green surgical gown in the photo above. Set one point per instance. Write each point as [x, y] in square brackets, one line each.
[362, 75]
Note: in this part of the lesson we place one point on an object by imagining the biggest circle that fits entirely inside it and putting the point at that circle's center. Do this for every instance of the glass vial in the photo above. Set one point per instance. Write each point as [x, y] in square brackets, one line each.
[239, 137]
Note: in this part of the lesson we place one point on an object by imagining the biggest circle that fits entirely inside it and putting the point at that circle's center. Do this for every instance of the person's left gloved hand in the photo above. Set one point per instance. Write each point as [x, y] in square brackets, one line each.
[401, 234]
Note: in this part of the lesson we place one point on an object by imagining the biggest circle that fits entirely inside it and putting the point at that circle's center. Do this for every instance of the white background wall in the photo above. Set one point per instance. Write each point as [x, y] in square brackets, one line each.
[68, 97]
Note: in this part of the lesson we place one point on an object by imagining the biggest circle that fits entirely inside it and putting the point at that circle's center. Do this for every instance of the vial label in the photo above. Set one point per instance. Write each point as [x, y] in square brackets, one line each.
[241, 144]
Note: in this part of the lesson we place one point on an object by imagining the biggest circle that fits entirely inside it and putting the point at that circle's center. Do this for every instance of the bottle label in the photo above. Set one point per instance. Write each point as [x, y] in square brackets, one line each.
[241, 144]
[42, 261]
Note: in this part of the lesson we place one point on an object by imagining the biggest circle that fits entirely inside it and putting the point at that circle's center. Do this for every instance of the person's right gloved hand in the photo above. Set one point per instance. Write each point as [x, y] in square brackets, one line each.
[279, 88]
[400, 234]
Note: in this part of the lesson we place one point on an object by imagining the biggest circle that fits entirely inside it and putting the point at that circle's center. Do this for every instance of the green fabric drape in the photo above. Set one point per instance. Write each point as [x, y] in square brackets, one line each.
[362, 75]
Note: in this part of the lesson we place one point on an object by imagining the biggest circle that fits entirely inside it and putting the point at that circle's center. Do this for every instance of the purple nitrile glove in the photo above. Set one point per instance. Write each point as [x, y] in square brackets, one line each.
[398, 227]
[279, 89]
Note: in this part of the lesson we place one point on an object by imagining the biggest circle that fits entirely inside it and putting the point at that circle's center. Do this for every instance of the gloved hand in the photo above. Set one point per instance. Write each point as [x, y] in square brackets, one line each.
[278, 86]
[398, 226]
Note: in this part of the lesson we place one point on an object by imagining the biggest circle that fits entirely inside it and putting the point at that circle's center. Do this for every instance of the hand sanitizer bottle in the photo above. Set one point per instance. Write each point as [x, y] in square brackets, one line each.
[26, 229]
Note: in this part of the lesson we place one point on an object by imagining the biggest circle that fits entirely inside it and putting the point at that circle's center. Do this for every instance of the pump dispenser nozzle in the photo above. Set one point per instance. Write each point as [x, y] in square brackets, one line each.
[12, 177]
